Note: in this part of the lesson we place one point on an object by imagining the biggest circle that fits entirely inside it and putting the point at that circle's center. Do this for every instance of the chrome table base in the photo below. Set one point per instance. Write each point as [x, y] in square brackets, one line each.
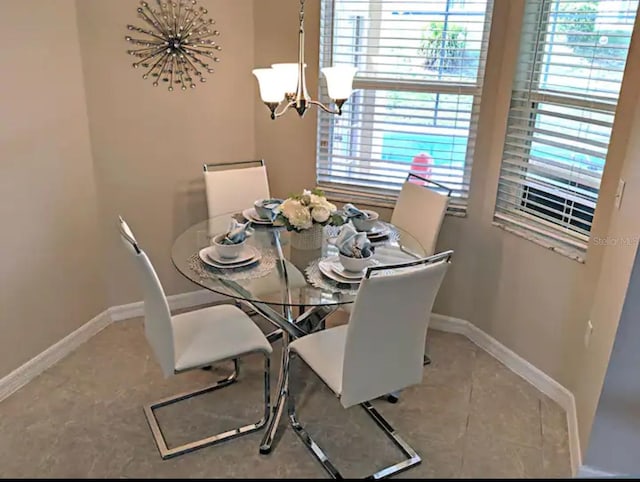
[166, 452]
[304, 324]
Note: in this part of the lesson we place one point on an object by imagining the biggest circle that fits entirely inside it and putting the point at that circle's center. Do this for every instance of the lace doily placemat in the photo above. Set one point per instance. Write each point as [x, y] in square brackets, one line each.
[320, 281]
[262, 268]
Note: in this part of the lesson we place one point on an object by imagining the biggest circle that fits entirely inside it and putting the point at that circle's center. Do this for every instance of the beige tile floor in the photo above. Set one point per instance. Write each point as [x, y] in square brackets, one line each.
[470, 417]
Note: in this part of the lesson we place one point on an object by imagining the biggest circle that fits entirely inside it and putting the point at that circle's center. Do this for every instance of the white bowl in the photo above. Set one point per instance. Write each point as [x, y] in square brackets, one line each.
[227, 251]
[355, 265]
[263, 212]
[366, 224]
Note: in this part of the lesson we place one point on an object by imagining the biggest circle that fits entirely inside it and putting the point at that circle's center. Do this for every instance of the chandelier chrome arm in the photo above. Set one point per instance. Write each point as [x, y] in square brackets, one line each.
[273, 106]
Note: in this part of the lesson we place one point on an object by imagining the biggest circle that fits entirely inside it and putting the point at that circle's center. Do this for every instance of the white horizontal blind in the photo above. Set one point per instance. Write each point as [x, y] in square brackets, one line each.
[415, 107]
[571, 63]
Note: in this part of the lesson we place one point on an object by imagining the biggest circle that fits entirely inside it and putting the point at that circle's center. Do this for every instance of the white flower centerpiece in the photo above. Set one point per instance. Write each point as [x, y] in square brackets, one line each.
[305, 215]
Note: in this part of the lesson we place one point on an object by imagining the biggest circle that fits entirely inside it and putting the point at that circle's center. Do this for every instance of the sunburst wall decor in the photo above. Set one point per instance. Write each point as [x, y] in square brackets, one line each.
[179, 44]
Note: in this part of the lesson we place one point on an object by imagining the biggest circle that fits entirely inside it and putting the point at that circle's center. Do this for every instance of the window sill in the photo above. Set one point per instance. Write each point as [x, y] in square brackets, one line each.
[568, 252]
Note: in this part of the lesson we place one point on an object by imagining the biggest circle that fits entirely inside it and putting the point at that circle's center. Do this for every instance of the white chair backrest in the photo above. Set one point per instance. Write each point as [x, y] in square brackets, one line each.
[385, 341]
[234, 189]
[420, 212]
[157, 317]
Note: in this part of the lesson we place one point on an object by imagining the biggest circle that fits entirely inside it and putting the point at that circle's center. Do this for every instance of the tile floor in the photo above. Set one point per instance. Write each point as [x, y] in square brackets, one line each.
[470, 417]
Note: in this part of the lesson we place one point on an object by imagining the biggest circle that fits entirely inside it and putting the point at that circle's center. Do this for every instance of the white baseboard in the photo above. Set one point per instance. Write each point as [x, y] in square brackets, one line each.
[587, 472]
[536, 377]
[176, 302]
[34, 367]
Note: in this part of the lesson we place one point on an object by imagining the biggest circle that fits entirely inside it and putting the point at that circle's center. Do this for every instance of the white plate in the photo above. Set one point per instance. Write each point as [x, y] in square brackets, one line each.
[379, 230]
[350, 275]
[251, 215]
[340, 270]
[207, 260]
[326, 268]
[246, 253]
[332, 268]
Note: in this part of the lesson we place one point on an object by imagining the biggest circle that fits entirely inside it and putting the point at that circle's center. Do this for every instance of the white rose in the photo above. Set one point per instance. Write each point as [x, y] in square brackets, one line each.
[330, 207]
[320, 214]
[316, 200]
[297, 214]
[306, 197]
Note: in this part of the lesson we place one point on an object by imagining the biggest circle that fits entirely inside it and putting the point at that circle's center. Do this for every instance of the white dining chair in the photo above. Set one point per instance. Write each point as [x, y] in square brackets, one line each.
[379, 351]
[233, 187]
[193, 340]
[420, 210]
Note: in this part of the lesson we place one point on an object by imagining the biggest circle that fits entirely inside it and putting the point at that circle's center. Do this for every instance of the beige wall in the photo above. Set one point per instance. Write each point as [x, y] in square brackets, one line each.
[532, 300]
[617, 420]
[617, 261]
[149, 144]
[50, 278]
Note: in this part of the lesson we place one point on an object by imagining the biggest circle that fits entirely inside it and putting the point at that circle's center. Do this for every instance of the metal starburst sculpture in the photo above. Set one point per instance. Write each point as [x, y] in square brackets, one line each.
[179, 43]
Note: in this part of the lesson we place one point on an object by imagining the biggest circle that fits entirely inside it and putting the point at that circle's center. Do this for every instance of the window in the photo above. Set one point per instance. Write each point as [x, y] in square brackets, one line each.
[571, 62]
[415, 107]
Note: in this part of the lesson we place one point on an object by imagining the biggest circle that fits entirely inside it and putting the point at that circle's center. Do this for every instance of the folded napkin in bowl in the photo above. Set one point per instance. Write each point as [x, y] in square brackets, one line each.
[266, 208]
[351, 211]
[352, 243]
[237, 233]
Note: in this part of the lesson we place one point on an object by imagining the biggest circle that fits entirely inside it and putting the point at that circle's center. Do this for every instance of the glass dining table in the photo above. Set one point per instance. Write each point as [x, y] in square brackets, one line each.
[291, 288]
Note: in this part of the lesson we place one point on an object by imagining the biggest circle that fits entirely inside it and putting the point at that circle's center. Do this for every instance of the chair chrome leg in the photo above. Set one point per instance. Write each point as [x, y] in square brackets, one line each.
[166, 452]
[236, 367]
[309, 442]
[412, 459]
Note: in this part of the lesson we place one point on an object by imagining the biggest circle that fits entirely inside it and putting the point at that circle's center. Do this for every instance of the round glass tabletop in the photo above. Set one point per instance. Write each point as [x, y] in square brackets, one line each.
[271, 271]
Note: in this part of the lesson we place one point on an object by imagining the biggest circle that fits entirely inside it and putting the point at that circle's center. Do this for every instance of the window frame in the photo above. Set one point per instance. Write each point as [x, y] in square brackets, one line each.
[554, 235]
[386, 194]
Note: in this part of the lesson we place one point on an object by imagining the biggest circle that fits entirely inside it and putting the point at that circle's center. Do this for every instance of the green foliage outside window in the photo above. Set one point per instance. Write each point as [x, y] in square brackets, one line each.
[443, 49]
[578, 20]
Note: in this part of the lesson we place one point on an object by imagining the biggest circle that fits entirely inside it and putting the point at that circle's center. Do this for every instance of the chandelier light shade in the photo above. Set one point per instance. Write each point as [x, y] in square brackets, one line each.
[271, 89]
[287, 81]
[339, 80]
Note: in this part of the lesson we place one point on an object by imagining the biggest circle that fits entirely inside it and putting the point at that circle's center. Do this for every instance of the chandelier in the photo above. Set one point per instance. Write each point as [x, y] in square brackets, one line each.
[287, 81]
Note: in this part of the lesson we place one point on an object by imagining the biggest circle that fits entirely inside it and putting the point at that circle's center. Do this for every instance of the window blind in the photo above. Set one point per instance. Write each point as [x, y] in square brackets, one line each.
[417, 95]
[570, 68]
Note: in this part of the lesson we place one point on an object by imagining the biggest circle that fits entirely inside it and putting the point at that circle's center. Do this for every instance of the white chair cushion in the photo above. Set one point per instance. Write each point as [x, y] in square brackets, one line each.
[324, 353]
[213, 334]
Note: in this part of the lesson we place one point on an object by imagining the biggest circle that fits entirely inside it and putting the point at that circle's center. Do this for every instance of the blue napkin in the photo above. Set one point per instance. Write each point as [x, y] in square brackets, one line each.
[237, 232]
[351, 211]
[352, 243]
[269, 205]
